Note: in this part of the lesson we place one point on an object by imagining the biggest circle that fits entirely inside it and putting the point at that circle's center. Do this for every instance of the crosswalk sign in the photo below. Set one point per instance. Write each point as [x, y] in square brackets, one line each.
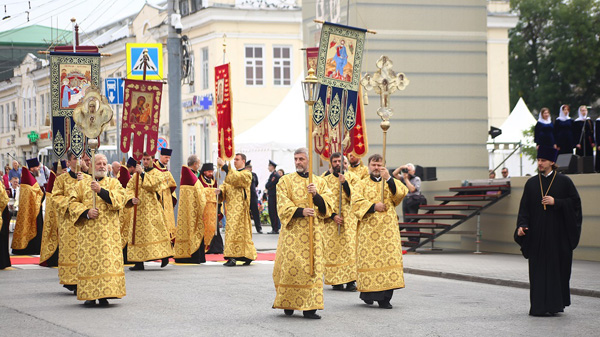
[135, 65]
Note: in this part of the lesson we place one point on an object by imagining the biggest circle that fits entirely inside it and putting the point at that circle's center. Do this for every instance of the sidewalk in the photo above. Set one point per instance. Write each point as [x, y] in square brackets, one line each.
[493, 268]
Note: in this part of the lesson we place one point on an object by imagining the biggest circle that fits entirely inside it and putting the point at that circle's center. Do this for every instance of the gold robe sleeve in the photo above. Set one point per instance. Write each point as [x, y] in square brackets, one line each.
[239, 179]
[285, 206]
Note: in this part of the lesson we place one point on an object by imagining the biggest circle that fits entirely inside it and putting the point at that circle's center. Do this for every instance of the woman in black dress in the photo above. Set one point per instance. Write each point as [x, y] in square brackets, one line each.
[583, 131]
[544, 130]
[563, 131]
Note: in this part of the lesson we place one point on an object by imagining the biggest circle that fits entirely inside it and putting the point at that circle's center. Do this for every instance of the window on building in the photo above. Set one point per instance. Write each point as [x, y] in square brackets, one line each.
[205, 81]
[7, 117]
[254, 65]
[196, 5]
[34, 111]
[192, 138]
[42, 109]
[282, 64]
[184, 7]
[14, 113]
[24, 120]
[1, 118]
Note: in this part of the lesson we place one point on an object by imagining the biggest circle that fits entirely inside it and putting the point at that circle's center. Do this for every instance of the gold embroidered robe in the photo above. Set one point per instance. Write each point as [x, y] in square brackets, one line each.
[50, 231]
[100, 257]
[295, 288]
[167, 197]
[152, 239]
[238, 233]
[190, 221]
[361, 171]
[26, 227]
[3, 202]
[379, 250]
[68, 233]
[340, 249]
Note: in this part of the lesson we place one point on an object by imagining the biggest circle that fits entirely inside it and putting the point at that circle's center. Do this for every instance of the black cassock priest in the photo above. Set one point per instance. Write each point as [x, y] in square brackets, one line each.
[548, 230]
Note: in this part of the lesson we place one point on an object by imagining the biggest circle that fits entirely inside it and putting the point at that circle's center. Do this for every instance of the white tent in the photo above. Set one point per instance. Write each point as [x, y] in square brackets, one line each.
[276, 136]
[519, 120]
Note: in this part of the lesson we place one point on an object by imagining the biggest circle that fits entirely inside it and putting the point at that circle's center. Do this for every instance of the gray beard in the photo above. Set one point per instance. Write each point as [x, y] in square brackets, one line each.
[100, 174]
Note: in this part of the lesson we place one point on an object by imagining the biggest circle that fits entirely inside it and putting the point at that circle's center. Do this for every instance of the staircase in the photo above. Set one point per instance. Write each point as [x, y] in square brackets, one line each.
[451, 213]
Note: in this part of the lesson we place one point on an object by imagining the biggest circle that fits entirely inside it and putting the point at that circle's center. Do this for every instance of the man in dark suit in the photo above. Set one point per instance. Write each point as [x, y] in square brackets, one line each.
[254, 199]
[271, 188]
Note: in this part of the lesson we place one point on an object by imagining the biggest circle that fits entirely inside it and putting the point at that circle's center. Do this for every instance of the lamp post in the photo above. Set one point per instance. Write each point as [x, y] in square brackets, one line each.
[310, 90]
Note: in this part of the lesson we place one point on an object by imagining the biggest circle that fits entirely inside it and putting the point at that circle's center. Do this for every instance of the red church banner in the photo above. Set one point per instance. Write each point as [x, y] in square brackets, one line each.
[141, 113]
[358, 145]
[224, 112]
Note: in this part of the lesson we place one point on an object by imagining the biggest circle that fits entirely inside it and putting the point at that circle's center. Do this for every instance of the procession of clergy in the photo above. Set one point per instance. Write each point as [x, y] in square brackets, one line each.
[91, 225]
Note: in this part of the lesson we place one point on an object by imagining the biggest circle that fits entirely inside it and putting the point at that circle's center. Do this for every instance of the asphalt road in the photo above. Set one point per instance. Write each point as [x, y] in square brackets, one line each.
[212, 300]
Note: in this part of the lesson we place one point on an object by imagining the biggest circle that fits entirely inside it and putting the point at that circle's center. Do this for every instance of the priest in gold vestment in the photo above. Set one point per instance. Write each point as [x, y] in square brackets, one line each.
[340, 228]
[168, 198]
[235, 193]
[190, 221]
[296, 288]
[49, 248]
[357, 167]
[149, 237]
[379, 251]
[68, 233]
[100, 273]
[27, 238]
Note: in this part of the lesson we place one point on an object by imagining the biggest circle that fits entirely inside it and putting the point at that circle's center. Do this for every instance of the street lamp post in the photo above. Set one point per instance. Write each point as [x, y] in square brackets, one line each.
[310, 90]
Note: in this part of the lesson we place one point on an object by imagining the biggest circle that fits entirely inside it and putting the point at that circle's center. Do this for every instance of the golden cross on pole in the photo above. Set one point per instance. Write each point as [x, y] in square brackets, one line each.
[385, 82]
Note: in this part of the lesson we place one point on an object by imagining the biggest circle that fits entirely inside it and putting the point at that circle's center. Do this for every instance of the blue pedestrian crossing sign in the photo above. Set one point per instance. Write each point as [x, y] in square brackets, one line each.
[135, 64]
[113, 89]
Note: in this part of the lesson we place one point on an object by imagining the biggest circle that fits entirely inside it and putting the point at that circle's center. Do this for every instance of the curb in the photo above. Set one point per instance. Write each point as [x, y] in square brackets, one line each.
[490, 280]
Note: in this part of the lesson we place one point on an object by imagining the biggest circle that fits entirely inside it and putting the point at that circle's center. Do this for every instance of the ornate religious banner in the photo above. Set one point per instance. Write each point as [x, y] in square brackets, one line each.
[224, 112]
[141, 113]
[357, 143]
[312, 57]
[71, 75]
[338, 70]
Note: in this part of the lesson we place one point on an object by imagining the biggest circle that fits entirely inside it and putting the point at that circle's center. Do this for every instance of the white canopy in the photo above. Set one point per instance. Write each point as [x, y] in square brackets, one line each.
[519, 120]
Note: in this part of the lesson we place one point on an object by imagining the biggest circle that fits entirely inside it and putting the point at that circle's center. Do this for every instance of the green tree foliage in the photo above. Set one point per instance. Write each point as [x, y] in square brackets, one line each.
[554, 53]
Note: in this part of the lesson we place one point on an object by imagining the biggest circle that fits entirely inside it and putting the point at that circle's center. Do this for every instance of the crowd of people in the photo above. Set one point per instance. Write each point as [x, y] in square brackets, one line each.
[337, 229]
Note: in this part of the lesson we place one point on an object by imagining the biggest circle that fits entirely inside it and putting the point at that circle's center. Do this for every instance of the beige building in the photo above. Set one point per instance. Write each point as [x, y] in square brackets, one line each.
[263, 46]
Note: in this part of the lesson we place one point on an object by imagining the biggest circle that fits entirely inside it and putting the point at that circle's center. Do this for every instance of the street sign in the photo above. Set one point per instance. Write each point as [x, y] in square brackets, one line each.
[162, 143]
[113, 89]
[135, 68]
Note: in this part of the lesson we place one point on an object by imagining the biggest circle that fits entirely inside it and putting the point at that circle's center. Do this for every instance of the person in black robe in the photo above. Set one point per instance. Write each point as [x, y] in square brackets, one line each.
[548, 230]
[544, 130]
[583, 132]
[271, 187]
[254, 199]
[4, 247]
[563, 131]
[598, 144]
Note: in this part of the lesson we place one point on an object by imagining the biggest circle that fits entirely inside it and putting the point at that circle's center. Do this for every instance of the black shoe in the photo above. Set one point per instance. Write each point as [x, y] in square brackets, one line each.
[247, 263]
[312, 314]
[369, 302]
[230, 263]
[288, 312]
[89, 303]
[338, 287]
[259, 231]
[103, 302]
[70, 287]
[164, 262]
[385, 305]
[273, 232]
[351, 286]
[137, 266]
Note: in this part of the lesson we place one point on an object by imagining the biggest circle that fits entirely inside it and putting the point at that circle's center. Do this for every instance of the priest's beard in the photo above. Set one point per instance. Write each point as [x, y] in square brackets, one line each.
[100, 174]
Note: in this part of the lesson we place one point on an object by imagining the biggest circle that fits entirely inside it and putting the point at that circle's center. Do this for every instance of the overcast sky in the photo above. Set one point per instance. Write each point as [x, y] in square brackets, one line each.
[90, 14]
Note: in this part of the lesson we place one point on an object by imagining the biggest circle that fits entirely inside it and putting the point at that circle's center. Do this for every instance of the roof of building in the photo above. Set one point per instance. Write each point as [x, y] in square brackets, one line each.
[34, 35]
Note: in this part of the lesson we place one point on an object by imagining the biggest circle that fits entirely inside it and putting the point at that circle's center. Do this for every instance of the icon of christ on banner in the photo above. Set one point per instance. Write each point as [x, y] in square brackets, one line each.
[340, 58]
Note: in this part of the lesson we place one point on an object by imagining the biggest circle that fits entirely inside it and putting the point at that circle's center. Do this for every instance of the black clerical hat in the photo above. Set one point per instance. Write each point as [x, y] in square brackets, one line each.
[55, 166]
[547, 152]
[272, 163]
[207, 167]
[249, 163]
[165, 152]
[33, 162]
[131, 162]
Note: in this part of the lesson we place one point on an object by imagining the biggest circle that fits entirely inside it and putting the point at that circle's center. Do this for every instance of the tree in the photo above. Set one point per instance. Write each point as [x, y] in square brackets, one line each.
[554, 53]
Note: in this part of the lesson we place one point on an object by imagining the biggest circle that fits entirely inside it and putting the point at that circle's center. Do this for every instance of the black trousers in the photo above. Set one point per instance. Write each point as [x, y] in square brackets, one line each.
[275, 224]
[384, 296]
[196, 258]
[254, 212]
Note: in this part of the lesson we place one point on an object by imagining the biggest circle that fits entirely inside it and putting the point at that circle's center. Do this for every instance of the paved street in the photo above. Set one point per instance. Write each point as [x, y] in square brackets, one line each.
[218, 301]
